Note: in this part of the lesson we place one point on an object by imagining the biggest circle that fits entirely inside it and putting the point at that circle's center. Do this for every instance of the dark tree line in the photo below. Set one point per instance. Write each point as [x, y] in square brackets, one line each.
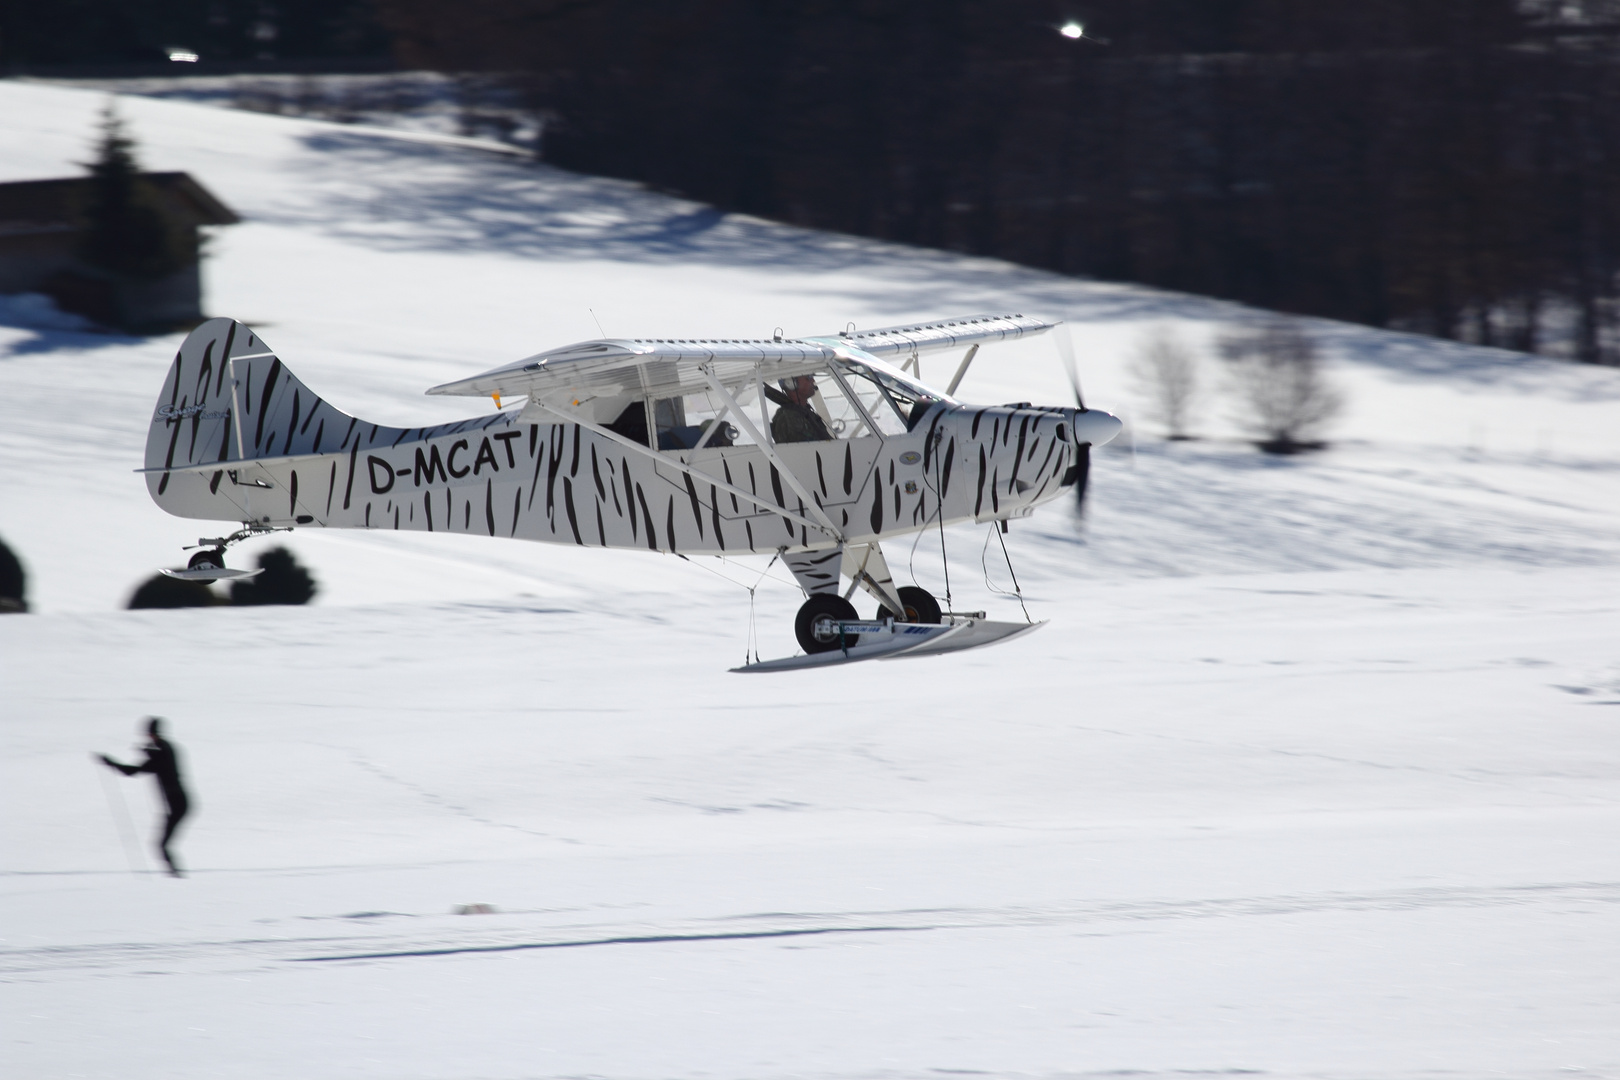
[1451, 166]
[43, 33]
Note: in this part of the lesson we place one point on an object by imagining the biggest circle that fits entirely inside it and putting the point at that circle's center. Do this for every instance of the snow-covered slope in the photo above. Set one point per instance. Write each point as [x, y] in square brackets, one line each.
[1313, 773]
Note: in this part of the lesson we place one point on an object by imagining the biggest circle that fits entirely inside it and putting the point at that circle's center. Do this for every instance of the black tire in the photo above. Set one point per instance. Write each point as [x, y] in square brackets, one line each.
[921, 607]
[212, 559]
[816, 624]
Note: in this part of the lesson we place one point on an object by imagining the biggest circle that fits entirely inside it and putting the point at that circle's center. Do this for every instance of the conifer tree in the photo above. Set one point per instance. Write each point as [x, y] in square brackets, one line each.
[127, 230]
[284, 581]
[13, 581]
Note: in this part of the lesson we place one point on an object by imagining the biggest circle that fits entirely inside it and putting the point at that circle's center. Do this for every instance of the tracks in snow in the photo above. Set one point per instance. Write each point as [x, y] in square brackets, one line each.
[440, 936]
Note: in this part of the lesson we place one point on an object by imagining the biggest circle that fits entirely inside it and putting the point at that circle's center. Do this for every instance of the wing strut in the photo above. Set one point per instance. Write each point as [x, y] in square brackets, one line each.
[956, 380]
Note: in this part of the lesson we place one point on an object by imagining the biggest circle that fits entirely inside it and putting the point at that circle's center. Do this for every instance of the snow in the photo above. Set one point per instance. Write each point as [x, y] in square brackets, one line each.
[1312, 774]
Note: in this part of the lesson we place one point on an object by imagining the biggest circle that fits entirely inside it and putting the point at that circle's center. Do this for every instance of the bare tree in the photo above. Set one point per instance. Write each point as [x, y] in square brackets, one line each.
[1283, 395]
[1164, 373]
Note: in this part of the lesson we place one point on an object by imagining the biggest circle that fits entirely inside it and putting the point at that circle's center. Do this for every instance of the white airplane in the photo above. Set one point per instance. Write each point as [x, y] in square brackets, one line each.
[813, 449]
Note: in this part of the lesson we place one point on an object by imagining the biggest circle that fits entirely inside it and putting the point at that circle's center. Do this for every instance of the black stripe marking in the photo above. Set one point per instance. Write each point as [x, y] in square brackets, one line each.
[348, 488]
[331, 487]
[225, 439]
[978, 505]
[534, 481]
[652, 537]
[714, 508]
[264, 399]
[630, 502]
[1018, 456]
[697, 507]
[224, 357]
[1048, 460]
[205, 372]
[489, 505]
[849, 468]
[561, 438]
[298, 401]
[877, 509]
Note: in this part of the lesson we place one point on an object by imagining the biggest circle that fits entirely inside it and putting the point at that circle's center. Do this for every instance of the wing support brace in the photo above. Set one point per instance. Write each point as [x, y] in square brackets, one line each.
[956, 380]
[695, 473]
[769, 450]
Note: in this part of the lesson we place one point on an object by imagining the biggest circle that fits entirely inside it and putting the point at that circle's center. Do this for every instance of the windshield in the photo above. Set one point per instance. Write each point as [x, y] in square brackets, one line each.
[895, 402]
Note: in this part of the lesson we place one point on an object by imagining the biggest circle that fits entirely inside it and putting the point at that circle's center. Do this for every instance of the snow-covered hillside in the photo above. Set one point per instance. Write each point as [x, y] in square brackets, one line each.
[1312, 774]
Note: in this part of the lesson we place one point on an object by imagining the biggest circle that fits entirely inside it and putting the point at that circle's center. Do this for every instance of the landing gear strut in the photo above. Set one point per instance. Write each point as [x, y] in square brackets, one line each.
[208, 564]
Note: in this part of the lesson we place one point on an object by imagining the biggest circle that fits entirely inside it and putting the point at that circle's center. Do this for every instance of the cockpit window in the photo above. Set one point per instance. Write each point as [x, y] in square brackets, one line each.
[895, 405]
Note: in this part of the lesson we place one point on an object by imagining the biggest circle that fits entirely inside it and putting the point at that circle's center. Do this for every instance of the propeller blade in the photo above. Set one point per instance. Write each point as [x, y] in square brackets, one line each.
[1065, 348]
[1082, 459]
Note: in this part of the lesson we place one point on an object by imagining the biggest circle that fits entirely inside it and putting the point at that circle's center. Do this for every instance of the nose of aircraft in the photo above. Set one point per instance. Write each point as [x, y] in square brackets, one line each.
[1094, 426]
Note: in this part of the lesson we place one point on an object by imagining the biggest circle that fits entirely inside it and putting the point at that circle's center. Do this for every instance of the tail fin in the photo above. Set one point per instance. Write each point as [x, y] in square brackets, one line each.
[227, 401]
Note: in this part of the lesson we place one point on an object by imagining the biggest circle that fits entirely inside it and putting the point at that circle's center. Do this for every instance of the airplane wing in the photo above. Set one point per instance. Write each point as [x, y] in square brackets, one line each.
[662, 367]
[921, 338]
[666, 367]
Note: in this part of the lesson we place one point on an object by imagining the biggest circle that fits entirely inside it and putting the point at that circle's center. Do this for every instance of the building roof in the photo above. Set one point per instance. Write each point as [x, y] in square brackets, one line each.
[32, 206]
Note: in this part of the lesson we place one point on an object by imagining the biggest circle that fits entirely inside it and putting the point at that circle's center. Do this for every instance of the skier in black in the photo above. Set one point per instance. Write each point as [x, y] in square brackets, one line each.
[163, 762]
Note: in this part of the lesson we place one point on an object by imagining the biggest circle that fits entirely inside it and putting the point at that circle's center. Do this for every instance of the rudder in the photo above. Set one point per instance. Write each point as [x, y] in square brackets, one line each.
[228, 400]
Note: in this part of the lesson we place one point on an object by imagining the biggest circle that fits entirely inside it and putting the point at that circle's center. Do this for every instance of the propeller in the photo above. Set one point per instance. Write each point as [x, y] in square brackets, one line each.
[1082, 458]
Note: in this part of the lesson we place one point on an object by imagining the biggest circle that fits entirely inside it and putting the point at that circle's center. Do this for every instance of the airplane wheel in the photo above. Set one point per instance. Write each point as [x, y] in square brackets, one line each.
[921, 607]
[816, 625]
[212, 559]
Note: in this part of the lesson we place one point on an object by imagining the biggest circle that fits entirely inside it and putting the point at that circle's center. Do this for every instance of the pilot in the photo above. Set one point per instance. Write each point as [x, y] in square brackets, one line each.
[796, 421]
